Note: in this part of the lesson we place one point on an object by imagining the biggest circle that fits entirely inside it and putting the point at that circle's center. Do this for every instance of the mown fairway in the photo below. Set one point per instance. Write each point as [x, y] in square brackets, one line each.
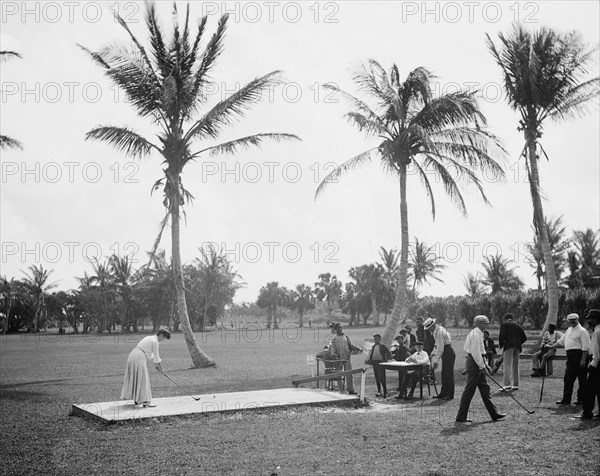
[41, 377]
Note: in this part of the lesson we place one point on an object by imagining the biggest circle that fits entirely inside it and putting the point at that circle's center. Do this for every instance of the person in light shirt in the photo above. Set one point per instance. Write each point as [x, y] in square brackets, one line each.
[591, 392]
[442, 351]
[576, 342]
[136, 383]
[418, 357]
[477, 369]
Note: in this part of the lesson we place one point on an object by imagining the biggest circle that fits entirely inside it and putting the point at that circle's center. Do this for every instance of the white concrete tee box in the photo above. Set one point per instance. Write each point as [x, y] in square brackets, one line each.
[211, 403]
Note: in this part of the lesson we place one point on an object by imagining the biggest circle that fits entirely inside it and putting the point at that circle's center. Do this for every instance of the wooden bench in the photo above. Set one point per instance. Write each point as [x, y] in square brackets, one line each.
[361, 370]
[530, 346]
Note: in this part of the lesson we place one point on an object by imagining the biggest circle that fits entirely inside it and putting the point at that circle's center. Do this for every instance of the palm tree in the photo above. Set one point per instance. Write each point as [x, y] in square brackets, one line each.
[499, 276]
[101, 291]
[37, 284]
[7, 295]
[424, 264]
[217, 283]
[587, 244]
[5, 141]
[543, 79]
[123, 278]
[328, 289]
[303, 299]
[389, 260]
[474, 284]
[271, 297]
[415, 128]
[558, 245]
[167, 84]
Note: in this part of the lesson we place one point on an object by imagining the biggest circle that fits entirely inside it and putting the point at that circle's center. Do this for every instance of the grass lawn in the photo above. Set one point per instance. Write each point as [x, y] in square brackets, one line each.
[40, 377]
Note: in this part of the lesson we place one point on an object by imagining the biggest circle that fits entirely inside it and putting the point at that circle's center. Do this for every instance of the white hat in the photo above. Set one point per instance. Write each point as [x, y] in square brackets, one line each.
[428, 323]
[481, 318]
[573, 317]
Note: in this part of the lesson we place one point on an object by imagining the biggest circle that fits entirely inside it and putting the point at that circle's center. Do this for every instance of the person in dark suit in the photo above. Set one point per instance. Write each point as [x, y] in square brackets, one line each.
[424, 336]
[511, 338]
[379, 353]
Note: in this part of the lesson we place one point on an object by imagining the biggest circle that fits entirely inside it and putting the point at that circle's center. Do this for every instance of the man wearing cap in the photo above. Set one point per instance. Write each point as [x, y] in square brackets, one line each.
[591, 391]
[576, 342]
[341, 349]
[379, 354]
[511, 338]
[442, 351]
[477, 369]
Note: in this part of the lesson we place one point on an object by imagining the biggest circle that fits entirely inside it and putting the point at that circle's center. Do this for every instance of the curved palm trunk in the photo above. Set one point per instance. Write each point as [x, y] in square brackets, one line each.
[538, 216]
[199, 358]
[400, 303]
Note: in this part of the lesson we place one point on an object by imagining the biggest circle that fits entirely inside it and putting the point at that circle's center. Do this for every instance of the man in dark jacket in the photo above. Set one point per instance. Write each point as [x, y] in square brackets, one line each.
[511, 338]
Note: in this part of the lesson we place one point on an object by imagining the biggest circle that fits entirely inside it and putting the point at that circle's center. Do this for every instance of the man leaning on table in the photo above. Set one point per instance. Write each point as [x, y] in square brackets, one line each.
[477, 369]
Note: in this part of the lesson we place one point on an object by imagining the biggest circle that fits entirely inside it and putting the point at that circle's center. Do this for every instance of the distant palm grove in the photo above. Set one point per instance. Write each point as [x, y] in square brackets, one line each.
[165, 77]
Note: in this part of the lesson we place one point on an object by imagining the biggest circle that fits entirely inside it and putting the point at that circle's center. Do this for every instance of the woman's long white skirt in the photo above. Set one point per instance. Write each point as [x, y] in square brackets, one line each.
[136, 383]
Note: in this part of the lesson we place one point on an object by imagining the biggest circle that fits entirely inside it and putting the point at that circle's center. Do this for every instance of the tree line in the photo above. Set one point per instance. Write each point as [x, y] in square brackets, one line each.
[545, 77]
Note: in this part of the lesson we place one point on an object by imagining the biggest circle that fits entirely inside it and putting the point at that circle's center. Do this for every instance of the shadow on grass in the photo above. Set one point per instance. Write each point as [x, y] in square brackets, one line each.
[20, 395]
[458, 428]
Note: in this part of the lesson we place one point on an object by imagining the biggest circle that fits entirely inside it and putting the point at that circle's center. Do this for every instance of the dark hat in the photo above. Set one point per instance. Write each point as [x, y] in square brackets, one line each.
[419, 343]
[338, 325]
[377, 335]
[398, 337]
[593, 313]
[332, 325]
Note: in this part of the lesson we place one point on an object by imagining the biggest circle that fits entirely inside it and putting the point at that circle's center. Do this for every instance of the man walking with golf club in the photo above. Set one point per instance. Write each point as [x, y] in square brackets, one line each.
[477, 369]
[576, 342]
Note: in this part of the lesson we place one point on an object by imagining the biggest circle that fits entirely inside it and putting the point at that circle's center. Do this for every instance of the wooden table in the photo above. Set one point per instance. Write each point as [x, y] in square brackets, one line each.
[405, 367]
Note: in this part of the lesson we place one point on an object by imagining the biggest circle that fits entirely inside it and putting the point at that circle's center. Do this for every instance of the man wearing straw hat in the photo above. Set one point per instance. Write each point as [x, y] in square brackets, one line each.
[442, 351]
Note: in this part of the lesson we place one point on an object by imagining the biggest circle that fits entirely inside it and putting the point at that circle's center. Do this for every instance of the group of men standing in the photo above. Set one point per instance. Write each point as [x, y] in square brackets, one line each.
[435, 342]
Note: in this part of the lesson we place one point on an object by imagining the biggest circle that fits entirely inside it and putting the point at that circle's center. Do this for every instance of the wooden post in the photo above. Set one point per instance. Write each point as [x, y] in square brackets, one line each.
[362, 386]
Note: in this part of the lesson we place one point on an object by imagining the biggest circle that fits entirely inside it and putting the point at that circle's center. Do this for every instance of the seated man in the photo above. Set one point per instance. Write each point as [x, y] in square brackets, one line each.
[541, 357]
[490, 348]
[419, 357]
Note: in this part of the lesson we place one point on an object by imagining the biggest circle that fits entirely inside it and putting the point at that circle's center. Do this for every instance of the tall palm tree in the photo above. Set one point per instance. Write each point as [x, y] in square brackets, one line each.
[543, 73]
[38, 286]
[167, 84]
[5, 141]
[444, 133]
[558, 245]
[328, 289]
[424, 264]
[499, 276]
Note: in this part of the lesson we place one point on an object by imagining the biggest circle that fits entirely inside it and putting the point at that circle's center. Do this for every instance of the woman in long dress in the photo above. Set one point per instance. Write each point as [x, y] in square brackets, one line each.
[136, 383]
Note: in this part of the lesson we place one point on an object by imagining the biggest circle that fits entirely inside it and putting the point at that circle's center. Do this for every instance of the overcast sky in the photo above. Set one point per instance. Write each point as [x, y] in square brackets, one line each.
[65, 201]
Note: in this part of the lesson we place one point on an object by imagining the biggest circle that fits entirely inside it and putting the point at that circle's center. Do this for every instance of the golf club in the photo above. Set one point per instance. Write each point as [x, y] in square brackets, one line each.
[531, 412]
[184, 391]
[542, 389]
